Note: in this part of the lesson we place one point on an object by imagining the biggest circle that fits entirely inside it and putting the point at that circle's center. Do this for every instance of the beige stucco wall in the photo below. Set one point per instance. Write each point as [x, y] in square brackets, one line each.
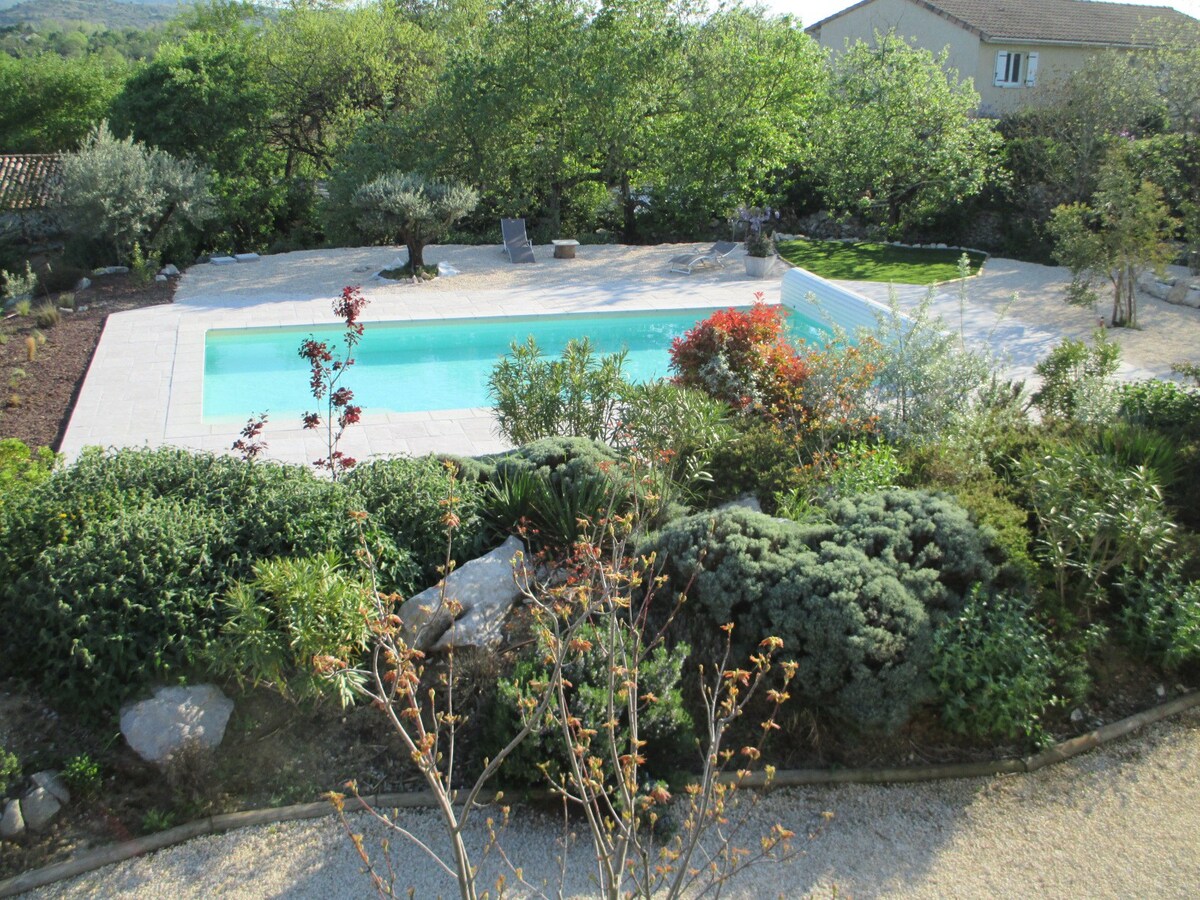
[916, 24]
[1054, 63]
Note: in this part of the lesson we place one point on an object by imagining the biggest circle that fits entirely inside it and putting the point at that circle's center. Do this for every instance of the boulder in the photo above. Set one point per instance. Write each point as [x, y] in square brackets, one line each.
[170, 270]
[222, 260]
[160, 277]
[51, 782]
[38, 808]
[481, 593]
[1178, 293]
[12, 823]
[111, 270]
[746, 501]
[175, 718]
[83, 284]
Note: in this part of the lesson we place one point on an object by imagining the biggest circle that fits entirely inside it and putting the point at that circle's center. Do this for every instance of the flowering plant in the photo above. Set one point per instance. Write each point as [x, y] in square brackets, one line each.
[760, 239]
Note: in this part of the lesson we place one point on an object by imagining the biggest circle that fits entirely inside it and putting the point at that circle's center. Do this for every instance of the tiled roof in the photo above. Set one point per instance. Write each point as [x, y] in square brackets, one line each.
[27, 181]
[1074, 21]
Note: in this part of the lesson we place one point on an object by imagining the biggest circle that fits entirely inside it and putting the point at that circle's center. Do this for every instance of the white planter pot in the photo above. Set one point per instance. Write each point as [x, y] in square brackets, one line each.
[759, 266]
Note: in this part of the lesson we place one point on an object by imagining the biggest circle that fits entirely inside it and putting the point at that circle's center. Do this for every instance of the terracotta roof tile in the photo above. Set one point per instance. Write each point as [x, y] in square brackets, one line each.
[28, 181]
[1077, 21]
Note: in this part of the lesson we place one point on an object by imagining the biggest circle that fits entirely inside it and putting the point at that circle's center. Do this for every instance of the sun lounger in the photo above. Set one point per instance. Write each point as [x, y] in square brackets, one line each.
[718, 254]
[516, 241]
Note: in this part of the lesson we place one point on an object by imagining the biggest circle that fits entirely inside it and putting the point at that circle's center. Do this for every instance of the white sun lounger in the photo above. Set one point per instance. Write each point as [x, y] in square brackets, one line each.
[718, 254]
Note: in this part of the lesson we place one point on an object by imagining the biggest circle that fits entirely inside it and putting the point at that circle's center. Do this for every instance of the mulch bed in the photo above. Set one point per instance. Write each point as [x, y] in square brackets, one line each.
[35, 407]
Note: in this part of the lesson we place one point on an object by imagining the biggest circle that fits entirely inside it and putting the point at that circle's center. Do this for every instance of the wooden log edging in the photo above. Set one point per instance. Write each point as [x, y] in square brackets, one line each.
[1058, 753]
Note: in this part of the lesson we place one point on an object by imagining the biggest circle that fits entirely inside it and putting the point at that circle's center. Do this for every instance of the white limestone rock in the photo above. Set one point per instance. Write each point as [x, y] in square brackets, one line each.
[50, 781]
[38, 808]
[12, 823]
[175, 718]
[246, 257]
[486, 591]
[170, 270]
[222, 260]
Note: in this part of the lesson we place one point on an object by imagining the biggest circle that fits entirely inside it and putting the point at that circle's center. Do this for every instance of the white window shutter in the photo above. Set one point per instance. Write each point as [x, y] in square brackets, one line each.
[1001, 67]
[1031, 70]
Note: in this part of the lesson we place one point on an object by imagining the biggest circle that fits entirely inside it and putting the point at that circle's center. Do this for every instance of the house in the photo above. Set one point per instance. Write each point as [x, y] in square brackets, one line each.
[28, 183]
[1007, 46]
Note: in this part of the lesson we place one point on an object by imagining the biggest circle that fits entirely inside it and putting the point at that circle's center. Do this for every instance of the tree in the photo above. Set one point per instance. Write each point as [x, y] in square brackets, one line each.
[206, 98]
[48, 103]
[413, 210]
[898, 139]
[1124, 231]
[117, 192]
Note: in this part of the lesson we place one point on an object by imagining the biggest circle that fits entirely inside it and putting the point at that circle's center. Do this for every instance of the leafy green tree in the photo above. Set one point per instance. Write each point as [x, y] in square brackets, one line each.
[1123, 232]
[1174, 66]
[49, 103]
[118, 193]
[331, 69]
[898, 139]
[743, 112]
[413, 210]
[206, 98]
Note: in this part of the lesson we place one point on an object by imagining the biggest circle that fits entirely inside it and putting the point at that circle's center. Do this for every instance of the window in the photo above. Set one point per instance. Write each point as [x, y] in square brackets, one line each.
[1016, 69]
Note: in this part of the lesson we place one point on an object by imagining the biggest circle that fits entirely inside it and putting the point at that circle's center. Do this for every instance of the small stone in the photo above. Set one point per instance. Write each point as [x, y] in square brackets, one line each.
[1077, 715]
[160, 277]
[175, 718]
[39, 807]
[12, 823]
[1161, 690]
[83, 284]
[50, 781]
[170, 270]
[81, 308]
[111, 270]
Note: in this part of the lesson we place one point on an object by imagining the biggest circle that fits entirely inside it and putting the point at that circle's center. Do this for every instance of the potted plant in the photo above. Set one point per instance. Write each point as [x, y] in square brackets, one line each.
[760, 239]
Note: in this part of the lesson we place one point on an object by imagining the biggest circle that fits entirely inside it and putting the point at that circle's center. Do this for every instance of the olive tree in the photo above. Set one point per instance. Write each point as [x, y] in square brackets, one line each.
[117, 192]
[1123, 232]
[412, 210]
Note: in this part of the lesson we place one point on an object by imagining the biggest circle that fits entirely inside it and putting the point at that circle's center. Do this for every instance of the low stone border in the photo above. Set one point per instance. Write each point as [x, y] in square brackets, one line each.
[1060, 752]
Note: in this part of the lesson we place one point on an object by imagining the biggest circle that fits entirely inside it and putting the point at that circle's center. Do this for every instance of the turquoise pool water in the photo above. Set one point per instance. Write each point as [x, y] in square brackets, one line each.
[427, 365]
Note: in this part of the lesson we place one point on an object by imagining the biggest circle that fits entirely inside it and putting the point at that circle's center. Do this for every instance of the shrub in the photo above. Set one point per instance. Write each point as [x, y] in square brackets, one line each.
[127, 599]
[10, 770]
[664, 725]
[994, 667]
[404, 499]
[856, 467]
[82, 775]
[17, 287]
[576, 395]
[854, 600]
[1161, 616]
[1161, 405]
[112, 567]
[1094, 517]
[289, 614]
[46, 315]
[1076, 380]
[741, 357]
[21, 468]
[118, 191]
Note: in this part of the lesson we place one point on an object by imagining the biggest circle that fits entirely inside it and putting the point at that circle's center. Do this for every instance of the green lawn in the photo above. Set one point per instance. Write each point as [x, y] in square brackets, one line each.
[875, 262]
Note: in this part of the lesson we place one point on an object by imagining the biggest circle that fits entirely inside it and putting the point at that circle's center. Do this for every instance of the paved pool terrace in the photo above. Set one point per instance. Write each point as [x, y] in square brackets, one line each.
[145, 381]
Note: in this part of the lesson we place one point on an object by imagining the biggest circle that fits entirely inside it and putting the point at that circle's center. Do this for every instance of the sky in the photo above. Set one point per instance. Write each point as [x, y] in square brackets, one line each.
[811, 11]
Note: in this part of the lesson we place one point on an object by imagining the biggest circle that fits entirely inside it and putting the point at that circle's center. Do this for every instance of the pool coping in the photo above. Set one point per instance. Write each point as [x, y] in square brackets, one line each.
[144, 384]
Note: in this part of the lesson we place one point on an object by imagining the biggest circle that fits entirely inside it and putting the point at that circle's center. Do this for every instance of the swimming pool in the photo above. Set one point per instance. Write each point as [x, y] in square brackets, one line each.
[428, 365]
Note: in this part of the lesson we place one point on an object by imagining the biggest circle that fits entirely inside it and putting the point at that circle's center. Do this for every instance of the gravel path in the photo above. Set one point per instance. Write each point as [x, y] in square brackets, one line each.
[1119, 822]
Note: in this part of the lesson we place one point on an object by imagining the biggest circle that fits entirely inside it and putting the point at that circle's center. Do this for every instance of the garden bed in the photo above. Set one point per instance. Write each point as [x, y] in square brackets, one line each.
[50, 383]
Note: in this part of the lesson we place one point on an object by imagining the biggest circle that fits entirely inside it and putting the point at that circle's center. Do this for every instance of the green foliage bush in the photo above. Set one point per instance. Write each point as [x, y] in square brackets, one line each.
[664, 724]
[575, 395]
[995, 667]
[10, 770]
[82, 775]
[21, 468]
[1161, 405]
[1161, 615]
[112, 567]
[855, 599]
[116, 192]
[1076, 380]
[289, 614]
[125, 598]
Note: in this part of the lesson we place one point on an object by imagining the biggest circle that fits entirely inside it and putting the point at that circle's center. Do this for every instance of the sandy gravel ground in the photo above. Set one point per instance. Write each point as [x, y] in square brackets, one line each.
[1120, 822]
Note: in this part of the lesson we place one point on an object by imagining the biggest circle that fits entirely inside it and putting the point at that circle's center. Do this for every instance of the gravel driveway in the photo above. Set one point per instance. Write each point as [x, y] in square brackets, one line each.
[1123, 821]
